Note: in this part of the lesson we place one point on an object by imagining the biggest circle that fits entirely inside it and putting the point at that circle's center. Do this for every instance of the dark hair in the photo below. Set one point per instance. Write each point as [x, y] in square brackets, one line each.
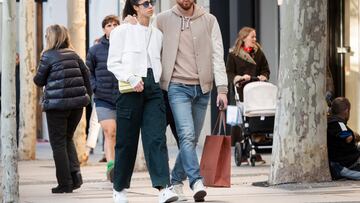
[339, 105]
[129, 8]
[110, 19]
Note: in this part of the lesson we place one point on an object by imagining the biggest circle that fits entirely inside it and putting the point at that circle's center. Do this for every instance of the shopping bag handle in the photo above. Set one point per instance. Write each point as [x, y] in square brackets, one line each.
[220, 121]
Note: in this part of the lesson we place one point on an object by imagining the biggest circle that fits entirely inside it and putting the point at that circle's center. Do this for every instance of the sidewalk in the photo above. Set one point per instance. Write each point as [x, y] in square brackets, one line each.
[37, 178]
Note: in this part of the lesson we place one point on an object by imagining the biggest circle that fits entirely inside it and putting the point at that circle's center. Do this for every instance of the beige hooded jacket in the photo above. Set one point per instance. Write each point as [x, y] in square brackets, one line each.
[207, 44]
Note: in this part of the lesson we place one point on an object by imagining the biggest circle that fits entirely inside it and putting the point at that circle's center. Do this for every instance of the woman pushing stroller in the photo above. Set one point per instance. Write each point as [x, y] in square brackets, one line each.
[246, 63]
[246, 60]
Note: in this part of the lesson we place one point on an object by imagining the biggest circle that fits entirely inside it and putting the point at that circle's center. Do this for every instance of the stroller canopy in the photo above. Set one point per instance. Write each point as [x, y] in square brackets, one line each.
[259, 99]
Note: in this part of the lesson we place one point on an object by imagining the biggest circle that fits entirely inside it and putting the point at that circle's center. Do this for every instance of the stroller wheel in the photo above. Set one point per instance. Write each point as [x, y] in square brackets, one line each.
[238, 153]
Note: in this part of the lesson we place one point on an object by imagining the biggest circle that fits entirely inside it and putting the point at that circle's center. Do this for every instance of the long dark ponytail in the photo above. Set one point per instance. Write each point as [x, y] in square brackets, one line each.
[129, 8]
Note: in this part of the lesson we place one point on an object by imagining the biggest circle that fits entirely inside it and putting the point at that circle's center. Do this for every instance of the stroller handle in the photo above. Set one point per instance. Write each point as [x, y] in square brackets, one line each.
[242, 83]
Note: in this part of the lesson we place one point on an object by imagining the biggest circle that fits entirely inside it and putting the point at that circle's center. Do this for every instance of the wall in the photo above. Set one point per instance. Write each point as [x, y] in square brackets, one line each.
[98, 10]
[269, 35]
[54, 12]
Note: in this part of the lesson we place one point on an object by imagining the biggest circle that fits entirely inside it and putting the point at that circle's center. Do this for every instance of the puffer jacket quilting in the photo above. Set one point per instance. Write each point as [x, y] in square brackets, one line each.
[66, 80]
[103, 82]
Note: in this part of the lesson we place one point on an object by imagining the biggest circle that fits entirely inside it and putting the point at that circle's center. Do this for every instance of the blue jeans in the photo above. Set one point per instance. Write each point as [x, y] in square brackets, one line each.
[188, 105]
[338, 171]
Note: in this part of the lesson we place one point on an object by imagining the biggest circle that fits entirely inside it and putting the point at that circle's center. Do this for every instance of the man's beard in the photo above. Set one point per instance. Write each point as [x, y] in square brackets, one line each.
[187, 6]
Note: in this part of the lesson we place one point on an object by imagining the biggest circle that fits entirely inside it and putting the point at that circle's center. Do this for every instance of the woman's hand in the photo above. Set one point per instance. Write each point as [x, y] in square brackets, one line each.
[239, 79]
[139, 87]
[246, 77]
[262, 78]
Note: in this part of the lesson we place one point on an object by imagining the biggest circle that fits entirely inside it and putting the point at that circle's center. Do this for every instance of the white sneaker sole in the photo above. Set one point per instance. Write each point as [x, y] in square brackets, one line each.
[199, 196]
[172, 199]
[182, 199]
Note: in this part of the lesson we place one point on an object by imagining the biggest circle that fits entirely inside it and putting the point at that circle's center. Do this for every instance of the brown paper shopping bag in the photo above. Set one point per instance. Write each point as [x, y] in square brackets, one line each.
[215, 164]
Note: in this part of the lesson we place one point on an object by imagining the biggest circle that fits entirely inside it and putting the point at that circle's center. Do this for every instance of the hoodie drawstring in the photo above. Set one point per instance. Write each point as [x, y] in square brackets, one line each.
[185, 23]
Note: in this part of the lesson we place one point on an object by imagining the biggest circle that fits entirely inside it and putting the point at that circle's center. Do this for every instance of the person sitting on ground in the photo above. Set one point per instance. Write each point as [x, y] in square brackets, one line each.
[344, 155]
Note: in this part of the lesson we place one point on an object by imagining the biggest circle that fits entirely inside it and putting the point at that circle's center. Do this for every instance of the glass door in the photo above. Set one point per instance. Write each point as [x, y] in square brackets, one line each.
[351, 59]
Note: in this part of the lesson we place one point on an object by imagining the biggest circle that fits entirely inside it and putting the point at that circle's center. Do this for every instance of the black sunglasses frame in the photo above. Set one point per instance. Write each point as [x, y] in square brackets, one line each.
[146, 4]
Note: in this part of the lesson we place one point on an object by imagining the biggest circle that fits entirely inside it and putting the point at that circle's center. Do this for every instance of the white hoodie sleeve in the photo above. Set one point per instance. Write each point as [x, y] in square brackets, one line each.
[115, 63]
[218, 59]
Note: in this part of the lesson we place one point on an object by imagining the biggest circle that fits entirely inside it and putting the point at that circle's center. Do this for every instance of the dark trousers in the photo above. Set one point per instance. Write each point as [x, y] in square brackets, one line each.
[170, 118]
[145, 111]
[62, 125]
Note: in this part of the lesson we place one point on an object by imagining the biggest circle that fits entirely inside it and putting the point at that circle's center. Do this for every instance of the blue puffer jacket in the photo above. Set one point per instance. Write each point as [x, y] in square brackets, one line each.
[66, 80]
[103, 82]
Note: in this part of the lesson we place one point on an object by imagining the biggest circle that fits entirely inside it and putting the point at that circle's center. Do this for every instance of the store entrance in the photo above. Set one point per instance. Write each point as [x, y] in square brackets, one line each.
[343, 53]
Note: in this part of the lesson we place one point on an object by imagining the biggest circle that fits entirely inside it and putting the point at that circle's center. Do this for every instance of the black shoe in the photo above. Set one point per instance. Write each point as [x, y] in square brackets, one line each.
[77, 180]
[62, 189]
[103, 160]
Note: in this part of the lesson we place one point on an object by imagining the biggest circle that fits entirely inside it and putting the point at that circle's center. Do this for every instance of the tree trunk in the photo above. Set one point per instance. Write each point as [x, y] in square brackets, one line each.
[77, 28]
[10, 177]
[28, 90]
[299, 146]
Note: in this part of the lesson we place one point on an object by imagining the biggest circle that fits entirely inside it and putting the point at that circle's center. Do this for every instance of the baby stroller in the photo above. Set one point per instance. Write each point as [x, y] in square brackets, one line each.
[258, 119]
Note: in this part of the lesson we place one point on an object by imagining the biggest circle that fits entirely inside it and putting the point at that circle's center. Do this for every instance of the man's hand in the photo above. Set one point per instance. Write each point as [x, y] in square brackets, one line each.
[349, 139]
[221, 99]
[357, 137]
[130, 19]
[139, 87]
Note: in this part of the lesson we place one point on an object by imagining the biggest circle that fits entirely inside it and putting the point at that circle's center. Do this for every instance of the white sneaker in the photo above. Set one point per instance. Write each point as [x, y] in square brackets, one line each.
[167, 195]
[178, 189]
[199, 191]
[119, 197]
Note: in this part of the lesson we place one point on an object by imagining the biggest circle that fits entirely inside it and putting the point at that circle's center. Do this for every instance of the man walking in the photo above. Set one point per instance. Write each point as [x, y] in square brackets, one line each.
[192, 57]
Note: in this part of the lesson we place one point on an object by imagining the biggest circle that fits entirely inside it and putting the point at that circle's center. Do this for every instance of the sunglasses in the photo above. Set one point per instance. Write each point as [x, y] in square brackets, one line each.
[146, 4]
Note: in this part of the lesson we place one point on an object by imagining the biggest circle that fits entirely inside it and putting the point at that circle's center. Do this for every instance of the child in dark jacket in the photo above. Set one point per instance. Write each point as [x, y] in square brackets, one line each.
[105, 87]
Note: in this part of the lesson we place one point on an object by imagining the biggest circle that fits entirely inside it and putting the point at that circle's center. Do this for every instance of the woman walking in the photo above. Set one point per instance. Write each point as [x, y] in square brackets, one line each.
[67, 91]
[246, 60]
[134, 57]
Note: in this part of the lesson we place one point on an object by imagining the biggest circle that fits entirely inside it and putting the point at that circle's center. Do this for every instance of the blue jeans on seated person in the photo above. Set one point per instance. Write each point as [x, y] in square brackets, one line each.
[188, 105]
[338, 171]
